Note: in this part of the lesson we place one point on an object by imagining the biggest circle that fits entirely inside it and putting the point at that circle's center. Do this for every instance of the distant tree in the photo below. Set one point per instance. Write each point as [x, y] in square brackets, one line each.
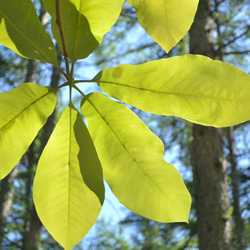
[230, 44]
[108, 237]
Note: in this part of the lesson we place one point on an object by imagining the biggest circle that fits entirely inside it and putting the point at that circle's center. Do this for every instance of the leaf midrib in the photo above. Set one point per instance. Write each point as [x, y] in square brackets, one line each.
[22, 34]
[25, 108]
[169, 93]
[126, 149]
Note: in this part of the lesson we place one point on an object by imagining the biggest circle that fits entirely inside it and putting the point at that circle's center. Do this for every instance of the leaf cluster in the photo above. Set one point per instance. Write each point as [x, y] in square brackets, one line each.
[68, 187]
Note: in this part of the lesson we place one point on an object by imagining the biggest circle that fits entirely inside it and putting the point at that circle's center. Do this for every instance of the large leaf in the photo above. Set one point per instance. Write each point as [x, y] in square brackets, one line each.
[166, 21]
[24, 111]
[68, 186]
[84, 23]
[133, 163]
[22, 32]
[195, 88]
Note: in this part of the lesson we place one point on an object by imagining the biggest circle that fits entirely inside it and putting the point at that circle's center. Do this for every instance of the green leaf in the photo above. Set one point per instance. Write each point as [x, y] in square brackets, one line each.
[166, 21]
[68, 186]
[24, 111]
[133, 163]
[196, 88]
[84, 23]
[22, 32]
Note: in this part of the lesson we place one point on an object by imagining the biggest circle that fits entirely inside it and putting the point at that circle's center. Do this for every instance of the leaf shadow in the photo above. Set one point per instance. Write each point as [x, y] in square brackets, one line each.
[90, 165]
[79, 38]
[26, 32]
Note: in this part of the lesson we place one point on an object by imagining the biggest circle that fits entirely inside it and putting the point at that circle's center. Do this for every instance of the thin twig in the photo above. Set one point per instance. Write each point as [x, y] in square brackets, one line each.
[65, 52]
[234, 38]
[126, 53]
[236, 52]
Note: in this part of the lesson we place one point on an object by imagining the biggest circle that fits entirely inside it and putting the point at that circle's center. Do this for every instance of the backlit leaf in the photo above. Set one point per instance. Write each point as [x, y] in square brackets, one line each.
[196, 88]
[24, 111]
[133, 163]
[68, 186]
[84, 23]
[166, 21]
[22, 32]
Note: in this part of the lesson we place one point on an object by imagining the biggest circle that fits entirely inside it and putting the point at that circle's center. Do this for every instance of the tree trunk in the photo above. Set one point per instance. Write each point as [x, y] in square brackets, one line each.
[31, 71]
[211, 189]
[6, 193]
[33, 225]
[209, 164]
[239, 233]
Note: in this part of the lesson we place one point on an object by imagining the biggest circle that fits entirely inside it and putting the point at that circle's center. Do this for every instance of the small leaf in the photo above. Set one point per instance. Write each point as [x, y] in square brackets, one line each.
[24, 111]
[133, 163]
[166, 21]
[84, 23]
[228, 214]
[196, 88]
[22, 32]
[68, 186]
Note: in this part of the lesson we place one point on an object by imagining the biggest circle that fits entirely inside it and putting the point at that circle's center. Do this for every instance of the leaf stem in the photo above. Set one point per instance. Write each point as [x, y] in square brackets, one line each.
[70, 96]
[65, 52]
[59, 87]
[79, 81]
[72, 69]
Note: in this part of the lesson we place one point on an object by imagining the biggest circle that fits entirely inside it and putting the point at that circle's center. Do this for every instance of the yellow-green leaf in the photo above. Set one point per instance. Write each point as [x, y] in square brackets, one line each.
[133, 163]
[68, 186]
[24, 111]
[196, 88]
[84, 23]
[22, 32]
[166, 21]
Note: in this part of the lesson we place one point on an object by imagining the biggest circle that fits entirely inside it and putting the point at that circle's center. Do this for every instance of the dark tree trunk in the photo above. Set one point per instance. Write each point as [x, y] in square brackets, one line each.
[31, 71]
[33, 224]
[32, 231]
[239, 232]
[209, 165]
[6, 193]
[211, 189]
[7, 187]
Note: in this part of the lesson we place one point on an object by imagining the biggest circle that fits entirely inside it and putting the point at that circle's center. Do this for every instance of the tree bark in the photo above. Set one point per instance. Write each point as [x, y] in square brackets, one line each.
[33, 225]
[209, 164]
[239, 231]
[211, 190]
[6, 193]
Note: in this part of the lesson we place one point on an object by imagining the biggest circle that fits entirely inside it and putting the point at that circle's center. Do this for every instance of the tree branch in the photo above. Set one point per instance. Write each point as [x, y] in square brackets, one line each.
[126, 53]
[236, 52]
[65, 52]
[234, 39]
